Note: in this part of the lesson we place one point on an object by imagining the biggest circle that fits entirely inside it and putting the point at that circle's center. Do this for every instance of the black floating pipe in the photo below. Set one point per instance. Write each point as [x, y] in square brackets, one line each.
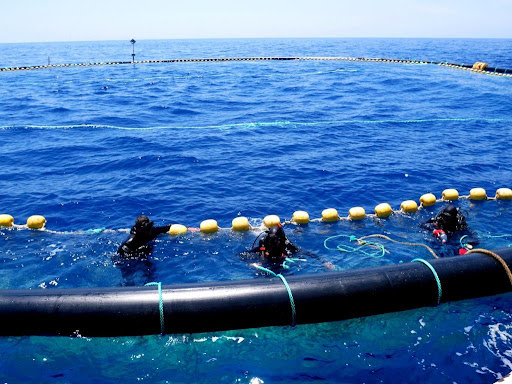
[190, 60]
[262, 302]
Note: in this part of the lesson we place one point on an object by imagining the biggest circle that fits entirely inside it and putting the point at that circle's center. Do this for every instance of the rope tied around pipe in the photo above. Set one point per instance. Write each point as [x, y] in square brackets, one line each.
[497, 258]
[160, 305]
[288, 290]
[438, 281]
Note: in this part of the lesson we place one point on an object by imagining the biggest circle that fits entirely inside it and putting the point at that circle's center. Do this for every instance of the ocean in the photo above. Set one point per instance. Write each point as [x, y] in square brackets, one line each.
[90, 148]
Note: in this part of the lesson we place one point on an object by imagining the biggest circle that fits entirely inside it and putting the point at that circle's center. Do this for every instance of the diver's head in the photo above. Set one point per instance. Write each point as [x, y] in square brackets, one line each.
[450, 211]
[449, 218]
[143, 222]
[275, 243]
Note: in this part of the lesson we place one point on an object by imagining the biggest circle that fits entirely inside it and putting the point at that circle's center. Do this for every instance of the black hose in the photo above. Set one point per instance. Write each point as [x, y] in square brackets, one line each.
[204, 307]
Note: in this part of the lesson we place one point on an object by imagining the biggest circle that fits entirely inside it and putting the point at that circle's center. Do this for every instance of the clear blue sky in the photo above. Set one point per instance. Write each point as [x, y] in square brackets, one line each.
[78, 20]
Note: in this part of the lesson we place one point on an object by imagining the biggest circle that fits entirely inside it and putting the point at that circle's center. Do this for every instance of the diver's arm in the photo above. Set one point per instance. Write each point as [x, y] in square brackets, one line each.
[250, 253]
[159, 230]
[430, 224]
[290, 247]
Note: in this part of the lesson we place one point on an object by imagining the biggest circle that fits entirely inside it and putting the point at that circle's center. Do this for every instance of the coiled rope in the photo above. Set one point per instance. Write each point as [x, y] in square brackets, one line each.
[402, 242]
[382, 250]
[349, 249]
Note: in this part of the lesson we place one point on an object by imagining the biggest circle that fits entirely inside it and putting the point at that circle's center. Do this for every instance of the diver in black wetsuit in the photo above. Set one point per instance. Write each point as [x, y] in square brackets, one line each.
[132, 256]
[274, 248]
[139, 243]
[448, 223]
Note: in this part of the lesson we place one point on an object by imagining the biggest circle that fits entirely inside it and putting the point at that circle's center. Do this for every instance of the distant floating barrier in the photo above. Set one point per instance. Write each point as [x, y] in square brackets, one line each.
[477, 67]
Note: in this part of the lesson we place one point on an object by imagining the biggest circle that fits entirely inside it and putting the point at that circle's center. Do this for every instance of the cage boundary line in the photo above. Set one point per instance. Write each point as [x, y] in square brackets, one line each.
[477, 67]
[241, 223]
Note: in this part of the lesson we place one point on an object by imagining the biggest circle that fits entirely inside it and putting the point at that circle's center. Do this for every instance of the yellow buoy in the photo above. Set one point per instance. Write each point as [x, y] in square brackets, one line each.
[428, 199]
[36, 222]
[383, 210]
[480, 66]
[504, 194]
[409, 206]
[478, 194]
[330, 214]
[450, 194]
[300, 217]
[177, 229]
[240, 224]
[356, 213]
[271, 221]
[209, 226]
[6, 220]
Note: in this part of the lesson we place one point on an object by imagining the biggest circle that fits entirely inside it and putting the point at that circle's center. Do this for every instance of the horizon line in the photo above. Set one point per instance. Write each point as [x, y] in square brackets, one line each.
[260, 38]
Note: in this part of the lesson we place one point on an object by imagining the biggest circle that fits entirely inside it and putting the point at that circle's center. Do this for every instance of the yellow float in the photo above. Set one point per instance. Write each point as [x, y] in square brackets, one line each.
[209, 226]
[409, 206]
[504, 194]
[428, 199]
[36, 222]
[271, 221]
[478, 194]
[356, 213]
[450, 194]
[240, 224]
[383, 210]
[177, 229]
[330, 214]
[300, 217]
[6, 220]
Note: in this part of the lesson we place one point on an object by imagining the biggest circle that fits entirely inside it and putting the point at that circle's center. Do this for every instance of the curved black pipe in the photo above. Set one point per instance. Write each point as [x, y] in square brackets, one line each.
[204, 307]
[223, 59]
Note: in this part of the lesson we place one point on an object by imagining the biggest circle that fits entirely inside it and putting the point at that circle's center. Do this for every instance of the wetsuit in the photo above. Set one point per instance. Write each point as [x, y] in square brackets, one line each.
[448, 223]
[138, 244]
[274, 256]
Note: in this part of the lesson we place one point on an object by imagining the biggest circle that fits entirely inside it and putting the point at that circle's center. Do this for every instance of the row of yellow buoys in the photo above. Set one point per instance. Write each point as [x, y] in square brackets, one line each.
[241, 223]
[382, 210]
[33, 222]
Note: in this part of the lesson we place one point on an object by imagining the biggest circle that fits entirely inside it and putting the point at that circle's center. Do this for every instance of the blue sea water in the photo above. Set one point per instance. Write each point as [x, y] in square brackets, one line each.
[94, 147]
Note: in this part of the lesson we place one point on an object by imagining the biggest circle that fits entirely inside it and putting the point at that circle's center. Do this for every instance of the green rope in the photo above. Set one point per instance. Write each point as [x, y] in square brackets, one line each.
[439, 289]
[289, 260]
[489, 237]
[349, 249]
[463, 243]
[497, 236]
[160, 305]
[95, 231]
[290, 296]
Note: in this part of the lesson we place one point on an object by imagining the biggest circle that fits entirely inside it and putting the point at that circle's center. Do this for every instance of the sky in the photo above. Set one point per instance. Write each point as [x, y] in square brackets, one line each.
[88, 20]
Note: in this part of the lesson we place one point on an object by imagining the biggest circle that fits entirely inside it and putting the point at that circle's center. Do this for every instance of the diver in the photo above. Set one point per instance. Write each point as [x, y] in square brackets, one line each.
[274, 249]
[132, 256]
[139, 243]
[450, 224]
